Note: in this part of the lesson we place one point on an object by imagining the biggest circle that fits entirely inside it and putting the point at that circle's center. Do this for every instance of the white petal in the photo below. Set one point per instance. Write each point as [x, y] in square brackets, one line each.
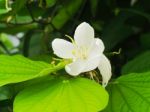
[105, 70]
[84, 35]
[97, 48]
[75, 68]
[100, 44]
[92, 63]
[62, 48]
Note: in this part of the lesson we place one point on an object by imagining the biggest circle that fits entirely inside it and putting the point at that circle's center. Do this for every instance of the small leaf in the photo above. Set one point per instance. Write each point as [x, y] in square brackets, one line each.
[17, 68]
[50, 3]
[140, 64]
[130, 93]
[66, 12]
[61, 95]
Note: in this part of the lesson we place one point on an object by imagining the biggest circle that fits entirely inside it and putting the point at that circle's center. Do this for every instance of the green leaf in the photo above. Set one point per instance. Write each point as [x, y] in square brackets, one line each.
[50, 3]
[140, 64]
[138, 12]
[2, 11]
[42, 57]
[66, 12]
[9, 91]
[36, 45]
[145, 40]
[5, 93]
[130, 93]
[17, 68]
[116, 31]
[19, 28]
[74, 95]
[18, 4]
[6, 41]
[3, 7]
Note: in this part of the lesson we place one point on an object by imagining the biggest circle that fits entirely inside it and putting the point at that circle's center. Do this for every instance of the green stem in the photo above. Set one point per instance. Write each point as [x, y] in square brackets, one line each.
[19, 28]
[26, 43]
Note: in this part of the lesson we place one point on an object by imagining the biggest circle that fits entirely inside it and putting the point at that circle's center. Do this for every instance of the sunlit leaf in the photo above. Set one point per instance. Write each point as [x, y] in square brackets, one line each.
[3, 8]
[17, 68]
[74, 95]
[130, 93]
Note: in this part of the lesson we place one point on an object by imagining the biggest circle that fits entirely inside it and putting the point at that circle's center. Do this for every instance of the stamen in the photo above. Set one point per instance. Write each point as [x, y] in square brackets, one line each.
[70, 39]
[80, 52]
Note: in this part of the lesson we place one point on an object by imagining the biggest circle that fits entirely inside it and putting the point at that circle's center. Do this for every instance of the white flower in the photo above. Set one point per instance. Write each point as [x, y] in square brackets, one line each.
[86, 53]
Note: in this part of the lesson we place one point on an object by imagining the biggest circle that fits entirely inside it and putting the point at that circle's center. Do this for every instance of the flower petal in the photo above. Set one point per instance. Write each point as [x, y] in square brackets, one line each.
[105, 70]
[92, 63]
[62, 48]
[75, 68]
[97, 48]
[84, 35]
[100, 44]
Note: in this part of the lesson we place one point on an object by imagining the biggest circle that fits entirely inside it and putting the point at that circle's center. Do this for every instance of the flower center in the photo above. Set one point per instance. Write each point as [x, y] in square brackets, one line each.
[80, 52]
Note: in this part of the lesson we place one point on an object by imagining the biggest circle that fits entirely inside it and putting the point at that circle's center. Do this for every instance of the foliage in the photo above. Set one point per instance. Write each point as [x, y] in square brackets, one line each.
[130, 93]
[139, 64]
[31, 79]
[23, 69]
[70, 95]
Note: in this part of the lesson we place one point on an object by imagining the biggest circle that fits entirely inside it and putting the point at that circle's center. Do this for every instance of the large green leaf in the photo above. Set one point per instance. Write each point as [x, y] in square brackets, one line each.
[8, 92]
[17, 68]
[140, 64]
[130, 93]
[62, 95]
